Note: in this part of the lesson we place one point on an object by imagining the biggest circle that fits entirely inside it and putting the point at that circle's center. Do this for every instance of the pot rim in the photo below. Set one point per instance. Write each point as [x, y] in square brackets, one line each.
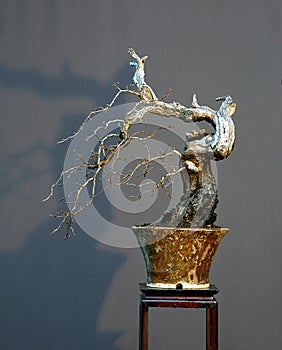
[191, 229]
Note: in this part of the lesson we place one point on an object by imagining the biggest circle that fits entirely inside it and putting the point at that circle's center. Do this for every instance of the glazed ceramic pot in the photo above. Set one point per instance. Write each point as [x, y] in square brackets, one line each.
[178, 257]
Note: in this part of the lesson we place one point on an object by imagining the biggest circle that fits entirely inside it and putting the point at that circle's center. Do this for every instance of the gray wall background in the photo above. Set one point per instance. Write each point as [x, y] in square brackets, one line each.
[57, 62]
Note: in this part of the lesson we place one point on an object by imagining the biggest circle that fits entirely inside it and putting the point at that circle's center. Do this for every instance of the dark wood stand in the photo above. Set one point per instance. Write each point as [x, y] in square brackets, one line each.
[179, 298]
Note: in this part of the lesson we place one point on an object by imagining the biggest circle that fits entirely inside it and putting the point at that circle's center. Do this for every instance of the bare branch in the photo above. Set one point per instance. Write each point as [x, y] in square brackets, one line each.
[99, 110]
[192, 161]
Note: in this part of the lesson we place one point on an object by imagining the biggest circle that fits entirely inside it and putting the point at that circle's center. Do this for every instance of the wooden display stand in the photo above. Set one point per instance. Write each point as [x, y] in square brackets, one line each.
[179, 298]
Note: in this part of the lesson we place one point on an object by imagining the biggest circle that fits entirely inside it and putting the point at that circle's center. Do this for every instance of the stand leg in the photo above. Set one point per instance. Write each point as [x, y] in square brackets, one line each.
[212, 326]
[143, 330]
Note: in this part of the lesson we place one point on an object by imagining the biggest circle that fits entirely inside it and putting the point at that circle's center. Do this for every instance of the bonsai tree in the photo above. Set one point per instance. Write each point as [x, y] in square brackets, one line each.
[196, 207]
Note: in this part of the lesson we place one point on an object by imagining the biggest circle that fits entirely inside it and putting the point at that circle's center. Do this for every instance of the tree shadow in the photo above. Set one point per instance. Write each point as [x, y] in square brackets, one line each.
[52, 291]
[68, 84]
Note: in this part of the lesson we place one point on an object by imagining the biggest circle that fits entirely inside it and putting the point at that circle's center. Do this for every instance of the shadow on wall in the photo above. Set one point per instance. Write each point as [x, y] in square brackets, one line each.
[52, 291]
[67, 85]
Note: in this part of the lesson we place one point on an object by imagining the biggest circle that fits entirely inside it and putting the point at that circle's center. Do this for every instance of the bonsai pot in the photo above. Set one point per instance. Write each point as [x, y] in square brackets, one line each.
[178, 257]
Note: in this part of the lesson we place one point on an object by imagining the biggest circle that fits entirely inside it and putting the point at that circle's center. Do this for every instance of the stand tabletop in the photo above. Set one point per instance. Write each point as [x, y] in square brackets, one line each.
[177, 293]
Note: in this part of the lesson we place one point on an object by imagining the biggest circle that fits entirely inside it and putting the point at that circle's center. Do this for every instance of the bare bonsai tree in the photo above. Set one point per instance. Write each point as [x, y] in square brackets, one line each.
[199, 199]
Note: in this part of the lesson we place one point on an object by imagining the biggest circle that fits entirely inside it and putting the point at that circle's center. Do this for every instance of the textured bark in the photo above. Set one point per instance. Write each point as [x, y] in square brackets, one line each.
[197, 205]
